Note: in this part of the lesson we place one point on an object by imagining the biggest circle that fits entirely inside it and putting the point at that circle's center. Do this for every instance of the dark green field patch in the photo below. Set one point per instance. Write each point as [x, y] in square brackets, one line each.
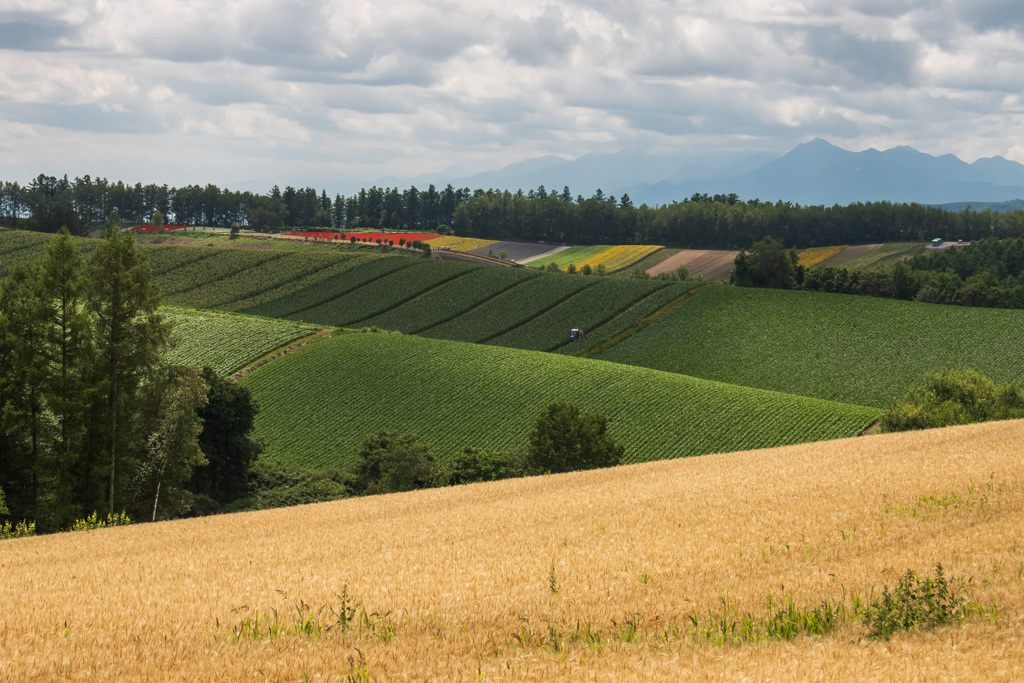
[296, 303]
[586, 310]
[510, 309]
[385, 293]
[450, 299]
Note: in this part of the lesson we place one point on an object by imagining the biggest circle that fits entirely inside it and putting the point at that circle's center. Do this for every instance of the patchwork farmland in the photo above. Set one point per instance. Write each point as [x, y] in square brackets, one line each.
[718, 566]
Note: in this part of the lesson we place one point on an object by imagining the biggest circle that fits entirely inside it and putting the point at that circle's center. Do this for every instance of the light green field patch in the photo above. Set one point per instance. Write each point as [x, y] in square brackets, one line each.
[226, 342]
[840, 347]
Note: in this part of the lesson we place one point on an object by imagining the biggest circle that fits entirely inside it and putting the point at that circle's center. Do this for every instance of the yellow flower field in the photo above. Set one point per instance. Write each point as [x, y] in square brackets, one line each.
[812, 257]
[460, 243]
[619, 257]
[629, 573]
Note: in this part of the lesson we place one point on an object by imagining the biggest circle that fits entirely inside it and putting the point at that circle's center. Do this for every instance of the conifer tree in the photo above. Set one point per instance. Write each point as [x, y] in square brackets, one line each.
[130, 335]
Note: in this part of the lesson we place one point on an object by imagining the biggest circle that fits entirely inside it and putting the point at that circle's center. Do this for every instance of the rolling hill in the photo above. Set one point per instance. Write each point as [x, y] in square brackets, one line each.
[320, 402]
[838, 347]
[651, 571]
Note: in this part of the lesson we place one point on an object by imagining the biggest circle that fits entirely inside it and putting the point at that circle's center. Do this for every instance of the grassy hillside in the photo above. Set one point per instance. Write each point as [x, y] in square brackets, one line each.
[605, 575]
[320, 402]
[838, 347]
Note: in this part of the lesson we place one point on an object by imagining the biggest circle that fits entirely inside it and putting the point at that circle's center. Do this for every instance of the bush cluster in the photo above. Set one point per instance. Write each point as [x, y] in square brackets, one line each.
[954, 397]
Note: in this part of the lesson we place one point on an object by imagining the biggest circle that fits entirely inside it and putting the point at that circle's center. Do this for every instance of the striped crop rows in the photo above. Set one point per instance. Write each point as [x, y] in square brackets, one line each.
[294, 304]
[450, 299]
[833, 346]
[510, 309]
[201, 273]
[226, 343]
[586, 310]
[385, 293]
[368, 382]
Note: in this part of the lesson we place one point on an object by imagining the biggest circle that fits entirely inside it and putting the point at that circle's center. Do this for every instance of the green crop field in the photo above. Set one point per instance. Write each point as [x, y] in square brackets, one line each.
[384, 293]
[163, 260]
[511, 308]
[294, 302]
[570, 255]
[839, 347]
[257, 280]
[627, 319]
[226, 342]
[453, 395]
[586, 310]
[450, 299]
[205, 271]
[327, 267]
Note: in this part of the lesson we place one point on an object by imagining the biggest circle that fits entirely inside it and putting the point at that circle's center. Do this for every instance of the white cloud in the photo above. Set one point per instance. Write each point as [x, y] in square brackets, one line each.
[366, 88]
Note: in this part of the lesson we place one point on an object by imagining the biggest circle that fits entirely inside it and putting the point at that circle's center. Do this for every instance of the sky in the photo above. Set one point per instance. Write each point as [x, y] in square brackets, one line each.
[247, 94]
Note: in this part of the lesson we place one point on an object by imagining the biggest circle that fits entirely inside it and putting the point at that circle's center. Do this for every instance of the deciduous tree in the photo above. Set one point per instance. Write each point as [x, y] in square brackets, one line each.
[565, 440]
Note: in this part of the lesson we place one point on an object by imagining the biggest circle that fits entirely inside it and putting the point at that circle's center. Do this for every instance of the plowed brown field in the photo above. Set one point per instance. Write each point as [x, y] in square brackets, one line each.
[712, 264]
[488, 582]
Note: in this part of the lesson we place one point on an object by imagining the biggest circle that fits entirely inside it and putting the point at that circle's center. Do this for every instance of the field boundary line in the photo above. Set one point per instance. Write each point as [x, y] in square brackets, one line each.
[279, 352]
[204, 254]
[414, 297]
[653, 317]
[298, 286]
[346, 291]
[613, 317]
[537, 315]
[481, 304]
[312, 270]
[191, 288]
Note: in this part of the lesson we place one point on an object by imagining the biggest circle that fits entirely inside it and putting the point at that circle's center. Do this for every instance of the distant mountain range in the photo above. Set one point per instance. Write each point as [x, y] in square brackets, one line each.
[815, 172]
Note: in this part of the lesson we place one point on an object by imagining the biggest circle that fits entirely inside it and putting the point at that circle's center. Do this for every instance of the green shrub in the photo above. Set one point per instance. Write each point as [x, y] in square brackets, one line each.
[916, 603]
[94, 521]
[389, 463]
[19, 530]
[473, 465]
[954, 397]
[274, 484]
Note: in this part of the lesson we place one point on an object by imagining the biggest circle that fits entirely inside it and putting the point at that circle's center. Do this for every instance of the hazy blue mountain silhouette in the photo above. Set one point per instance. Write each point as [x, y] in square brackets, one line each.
[818, 172]
[815, 172]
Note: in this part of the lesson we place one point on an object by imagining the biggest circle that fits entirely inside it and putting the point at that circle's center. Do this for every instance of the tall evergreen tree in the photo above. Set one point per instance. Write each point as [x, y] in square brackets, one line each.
[67, 355]
[22, 386]
[131, 335]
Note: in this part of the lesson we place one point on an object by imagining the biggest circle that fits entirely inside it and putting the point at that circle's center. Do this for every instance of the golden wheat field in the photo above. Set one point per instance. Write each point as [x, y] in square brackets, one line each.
[589, 576]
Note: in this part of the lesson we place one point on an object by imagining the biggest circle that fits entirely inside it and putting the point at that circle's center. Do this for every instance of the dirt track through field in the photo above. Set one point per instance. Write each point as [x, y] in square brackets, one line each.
[712, 264]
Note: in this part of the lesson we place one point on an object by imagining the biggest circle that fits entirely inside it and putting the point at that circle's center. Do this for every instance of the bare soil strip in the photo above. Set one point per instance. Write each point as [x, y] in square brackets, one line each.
[713, 264]
[851, 253]
[540, 256]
